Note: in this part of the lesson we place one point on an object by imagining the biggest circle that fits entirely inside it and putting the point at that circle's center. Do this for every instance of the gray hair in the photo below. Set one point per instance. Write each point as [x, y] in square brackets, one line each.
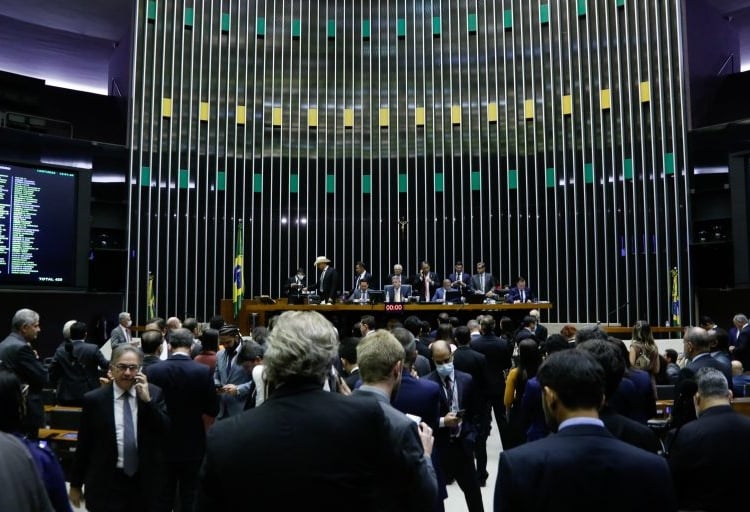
[590, 332]
[121, 350]
[739, 319]
[122, 316]
[697, 336]
[66, 329]
[300, 344]
[24, 317]
[181, 338]
[712, 383]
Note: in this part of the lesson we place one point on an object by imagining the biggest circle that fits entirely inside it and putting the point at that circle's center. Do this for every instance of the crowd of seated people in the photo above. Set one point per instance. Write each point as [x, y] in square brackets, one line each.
[190, 427]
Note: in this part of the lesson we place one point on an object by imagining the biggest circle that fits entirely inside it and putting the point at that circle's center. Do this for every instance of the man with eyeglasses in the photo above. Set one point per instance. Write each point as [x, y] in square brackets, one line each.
[119, 456]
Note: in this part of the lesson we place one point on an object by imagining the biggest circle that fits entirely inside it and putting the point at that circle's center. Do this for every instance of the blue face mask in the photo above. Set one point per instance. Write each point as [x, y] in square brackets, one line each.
[444, 370]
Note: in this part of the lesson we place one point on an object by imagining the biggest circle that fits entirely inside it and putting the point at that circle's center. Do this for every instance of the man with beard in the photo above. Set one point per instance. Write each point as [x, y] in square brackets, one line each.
[413, 485]
[583, 466]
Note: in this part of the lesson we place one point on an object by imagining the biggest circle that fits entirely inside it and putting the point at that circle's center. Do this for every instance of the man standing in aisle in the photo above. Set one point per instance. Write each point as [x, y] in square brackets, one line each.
[121, 333]
[17, 355]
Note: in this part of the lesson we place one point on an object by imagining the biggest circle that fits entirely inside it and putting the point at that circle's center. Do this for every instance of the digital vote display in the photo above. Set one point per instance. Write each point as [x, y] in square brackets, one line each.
[38, 226]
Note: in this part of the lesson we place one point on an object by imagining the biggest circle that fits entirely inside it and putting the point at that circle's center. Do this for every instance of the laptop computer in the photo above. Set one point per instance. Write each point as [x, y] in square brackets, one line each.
[453, 296]
[475, 298]
[376, 296]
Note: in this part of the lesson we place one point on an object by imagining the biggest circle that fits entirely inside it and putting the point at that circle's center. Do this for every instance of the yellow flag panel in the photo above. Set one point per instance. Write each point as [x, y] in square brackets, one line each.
[419, 116]
[456, 114]
[492, 112]
[384, 117]
[241, 114]
[276, 114]
[528, 109]
[605, 98]
[567, 105]
[312, 118]
[349, 118]
[204, 111]
[645, 92]
[166, 107]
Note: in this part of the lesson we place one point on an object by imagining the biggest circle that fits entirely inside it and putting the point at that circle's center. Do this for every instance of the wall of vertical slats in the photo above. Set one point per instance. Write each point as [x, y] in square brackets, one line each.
[546, 138]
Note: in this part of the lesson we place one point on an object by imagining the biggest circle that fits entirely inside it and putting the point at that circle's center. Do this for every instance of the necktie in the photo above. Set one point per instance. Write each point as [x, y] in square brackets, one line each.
[523, 296]
[451, 405]
[460, 275]
[322, 276]
[482, 281]
[426, 288]
[129, 447]
[364, 297]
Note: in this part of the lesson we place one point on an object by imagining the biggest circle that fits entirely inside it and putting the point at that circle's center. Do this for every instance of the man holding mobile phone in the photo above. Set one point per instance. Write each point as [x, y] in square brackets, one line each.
[119, 451]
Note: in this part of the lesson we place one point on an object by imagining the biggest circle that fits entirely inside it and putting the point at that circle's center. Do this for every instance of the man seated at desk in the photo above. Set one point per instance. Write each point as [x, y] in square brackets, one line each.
[396, 292]
[520, 293]
[361, 294]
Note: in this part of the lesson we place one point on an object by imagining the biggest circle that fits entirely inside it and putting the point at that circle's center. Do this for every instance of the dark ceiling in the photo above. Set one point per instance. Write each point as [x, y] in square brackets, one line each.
[70, 42]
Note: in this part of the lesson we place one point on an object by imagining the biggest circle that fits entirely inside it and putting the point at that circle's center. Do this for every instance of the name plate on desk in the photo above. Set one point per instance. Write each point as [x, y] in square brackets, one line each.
[395, 307]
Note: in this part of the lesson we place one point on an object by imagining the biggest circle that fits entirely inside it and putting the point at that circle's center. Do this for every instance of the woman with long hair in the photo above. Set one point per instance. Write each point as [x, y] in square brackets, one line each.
[529, 359]
[643, 353]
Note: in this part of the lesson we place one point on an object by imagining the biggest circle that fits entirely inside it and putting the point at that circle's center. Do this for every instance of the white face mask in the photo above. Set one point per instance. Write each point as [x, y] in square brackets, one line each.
[300, 276]
[129, 323]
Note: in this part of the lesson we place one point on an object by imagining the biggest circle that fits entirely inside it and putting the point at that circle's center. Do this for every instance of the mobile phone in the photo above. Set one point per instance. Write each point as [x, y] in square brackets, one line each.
[460, 413]
[414, 418]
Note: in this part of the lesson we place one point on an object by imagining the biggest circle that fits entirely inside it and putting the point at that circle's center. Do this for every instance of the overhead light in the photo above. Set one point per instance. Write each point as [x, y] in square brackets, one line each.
[67, 162]
[711, 170]
[108, 178]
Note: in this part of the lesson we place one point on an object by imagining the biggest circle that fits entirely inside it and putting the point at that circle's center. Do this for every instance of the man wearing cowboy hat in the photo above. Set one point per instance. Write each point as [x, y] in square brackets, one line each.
[327, 284]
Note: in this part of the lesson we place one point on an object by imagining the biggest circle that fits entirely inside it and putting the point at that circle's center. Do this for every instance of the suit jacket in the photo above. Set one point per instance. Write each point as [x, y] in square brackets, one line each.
[630, 431]
[540, 333]
[468, 360]
[367, 276]
[742, 347]
[582, 468]
[708, 459]
[17, 355]
[96, 452]
[117, 336]
[405, 292]
[189, 393]
[297, 436]
[439, 295]
[328, 286]
[710, 362]
[498, 354]
[465, 278]
[414, 484]
[236, 374]
[78, 374]
[514, 294]
[476, 282]
[418, 285]
[468, 399]
[292, 280]
[356, 296]
[732, 332]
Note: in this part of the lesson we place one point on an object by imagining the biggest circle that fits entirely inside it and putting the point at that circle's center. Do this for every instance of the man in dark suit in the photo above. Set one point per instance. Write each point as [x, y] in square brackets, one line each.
[334, 449]
[397, 291]
[121, 333]
[412, 485]
[583, 466]
[709, 455]
[623, 428]
[360, 273]
[520, 293]
[18, 355]
[119, 458]
[294, 286]
[328, 281]
[468, 360]
[75, 367]
[460, 279]
[425, 282]
[189, 393]
[540, 331]
[498, 354]
[362, 294]
[459, 423]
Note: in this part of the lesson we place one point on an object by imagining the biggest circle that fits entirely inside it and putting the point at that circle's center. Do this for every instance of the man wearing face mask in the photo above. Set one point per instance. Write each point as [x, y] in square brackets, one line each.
[294, 286]
[459, 424]
[412, 485]
[121, 333]
[583, 466]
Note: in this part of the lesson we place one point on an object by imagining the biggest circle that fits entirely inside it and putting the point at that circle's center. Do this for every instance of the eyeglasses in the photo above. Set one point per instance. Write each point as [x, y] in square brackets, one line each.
[131, 367]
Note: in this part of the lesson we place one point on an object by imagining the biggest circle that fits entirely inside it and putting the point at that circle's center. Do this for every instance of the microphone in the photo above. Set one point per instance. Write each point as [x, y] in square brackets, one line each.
[618, 308]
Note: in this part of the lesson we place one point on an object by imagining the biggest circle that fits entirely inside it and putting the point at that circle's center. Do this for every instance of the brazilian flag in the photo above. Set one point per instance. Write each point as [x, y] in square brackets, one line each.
[238, 282]
[150, 297]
